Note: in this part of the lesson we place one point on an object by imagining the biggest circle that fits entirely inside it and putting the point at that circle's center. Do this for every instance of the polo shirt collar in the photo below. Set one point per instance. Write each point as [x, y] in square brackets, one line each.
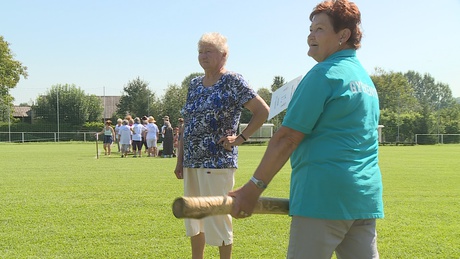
[342, 53]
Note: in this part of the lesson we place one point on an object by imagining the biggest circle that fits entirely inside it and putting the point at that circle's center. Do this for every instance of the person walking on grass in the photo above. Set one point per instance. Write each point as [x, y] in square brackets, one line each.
[168, 140]
[138, 130]
[152, 134]
[124, 135]
[109, 135]
[117, 128]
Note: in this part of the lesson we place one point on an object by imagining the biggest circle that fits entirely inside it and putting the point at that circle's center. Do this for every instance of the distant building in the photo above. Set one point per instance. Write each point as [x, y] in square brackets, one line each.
[110, 105]
[24, 113]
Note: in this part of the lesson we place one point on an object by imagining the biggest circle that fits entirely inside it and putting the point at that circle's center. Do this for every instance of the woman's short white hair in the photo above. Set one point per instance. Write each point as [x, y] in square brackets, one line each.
[216, 39]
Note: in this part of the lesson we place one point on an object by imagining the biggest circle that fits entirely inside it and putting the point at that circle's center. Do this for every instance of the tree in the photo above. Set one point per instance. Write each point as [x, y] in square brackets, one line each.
[400, 127]
[71, 103]
[175, 98]
[265, 94]
[412, 103]
[278, 82]
[95, 108]
[399, 108]
[186, 82]
[138, 100]
[246, 114]
[173, 101]
[11, 71]
[395, 92]
[435, 99]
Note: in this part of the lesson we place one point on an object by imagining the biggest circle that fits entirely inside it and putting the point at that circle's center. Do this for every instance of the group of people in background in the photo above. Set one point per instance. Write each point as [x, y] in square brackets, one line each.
[132, 135]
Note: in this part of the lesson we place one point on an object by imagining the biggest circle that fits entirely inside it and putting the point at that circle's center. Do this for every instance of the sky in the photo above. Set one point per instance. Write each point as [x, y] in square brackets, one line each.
[102, 45]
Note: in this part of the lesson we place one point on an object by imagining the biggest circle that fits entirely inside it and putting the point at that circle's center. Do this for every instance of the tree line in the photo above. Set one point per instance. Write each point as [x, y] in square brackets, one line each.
[411, 103]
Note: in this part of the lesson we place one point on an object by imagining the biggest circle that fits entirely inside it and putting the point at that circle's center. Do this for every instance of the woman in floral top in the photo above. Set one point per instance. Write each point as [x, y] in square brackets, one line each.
[208, 150]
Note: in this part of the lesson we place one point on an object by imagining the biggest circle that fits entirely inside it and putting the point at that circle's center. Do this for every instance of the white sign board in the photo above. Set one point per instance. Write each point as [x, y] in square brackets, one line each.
[282, 97]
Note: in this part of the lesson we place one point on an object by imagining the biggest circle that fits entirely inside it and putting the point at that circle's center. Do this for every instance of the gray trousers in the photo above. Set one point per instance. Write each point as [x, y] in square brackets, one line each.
[319, 238]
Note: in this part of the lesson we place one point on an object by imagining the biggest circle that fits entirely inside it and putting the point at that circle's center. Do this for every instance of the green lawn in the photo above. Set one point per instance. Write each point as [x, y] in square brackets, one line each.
[59, 201]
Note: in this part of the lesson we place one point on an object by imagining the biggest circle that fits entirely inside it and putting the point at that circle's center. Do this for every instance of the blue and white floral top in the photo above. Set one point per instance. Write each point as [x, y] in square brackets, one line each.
[209, 114]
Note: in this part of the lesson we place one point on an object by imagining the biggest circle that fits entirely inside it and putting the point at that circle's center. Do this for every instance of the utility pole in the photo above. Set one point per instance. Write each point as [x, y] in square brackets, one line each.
[57, 111]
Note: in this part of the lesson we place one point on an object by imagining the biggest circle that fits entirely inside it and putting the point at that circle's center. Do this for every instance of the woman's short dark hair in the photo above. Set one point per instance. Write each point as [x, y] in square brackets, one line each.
[343, 15]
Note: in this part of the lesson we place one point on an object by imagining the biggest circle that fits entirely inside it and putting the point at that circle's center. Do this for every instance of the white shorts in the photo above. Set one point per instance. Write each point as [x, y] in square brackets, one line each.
[218, 230]
[151, 143]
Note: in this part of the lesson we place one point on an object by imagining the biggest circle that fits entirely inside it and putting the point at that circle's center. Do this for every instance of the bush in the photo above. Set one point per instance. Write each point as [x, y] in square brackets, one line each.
[92, 126]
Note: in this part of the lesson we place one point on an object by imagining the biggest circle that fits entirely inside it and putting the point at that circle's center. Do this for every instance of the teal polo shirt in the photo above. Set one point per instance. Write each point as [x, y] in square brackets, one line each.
[335, 172]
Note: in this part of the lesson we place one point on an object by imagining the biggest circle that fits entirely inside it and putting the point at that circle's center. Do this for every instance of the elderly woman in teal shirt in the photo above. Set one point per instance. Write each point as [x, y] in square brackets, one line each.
[330, 134]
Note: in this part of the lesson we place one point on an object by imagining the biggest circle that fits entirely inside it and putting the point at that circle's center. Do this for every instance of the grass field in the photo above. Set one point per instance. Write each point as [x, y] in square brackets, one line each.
[59, 201]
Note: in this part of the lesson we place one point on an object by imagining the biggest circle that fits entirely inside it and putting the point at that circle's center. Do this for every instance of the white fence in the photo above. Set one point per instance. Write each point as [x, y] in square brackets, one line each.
[264, 133]
[22, 137]
[437, 138]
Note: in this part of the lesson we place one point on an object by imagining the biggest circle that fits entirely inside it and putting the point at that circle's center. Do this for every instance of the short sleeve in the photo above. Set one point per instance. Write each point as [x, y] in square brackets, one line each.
[308, 102]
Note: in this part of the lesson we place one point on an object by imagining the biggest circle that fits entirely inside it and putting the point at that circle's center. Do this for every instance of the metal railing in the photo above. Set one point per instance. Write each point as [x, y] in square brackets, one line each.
[23, 137]
[437, 138]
